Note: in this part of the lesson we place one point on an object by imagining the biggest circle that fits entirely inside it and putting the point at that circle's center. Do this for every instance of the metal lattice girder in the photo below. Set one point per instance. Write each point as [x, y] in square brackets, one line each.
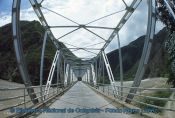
[126, 16]
[18, 50]
[79, 71]
[74, 26]
[71, 60]
[51, 73]
[146, 49]
[36, 7]
[110, 74]
[129, 10]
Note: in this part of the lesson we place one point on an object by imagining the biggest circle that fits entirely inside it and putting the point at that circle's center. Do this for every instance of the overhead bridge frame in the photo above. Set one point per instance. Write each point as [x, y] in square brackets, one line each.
[72, 60]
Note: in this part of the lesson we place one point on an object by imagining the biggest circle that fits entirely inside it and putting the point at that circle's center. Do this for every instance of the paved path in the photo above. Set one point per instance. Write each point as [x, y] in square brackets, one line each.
[78, 97]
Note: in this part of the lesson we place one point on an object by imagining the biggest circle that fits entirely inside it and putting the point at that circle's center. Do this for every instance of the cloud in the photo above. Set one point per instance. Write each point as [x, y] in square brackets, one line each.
[135, 27]
[5, 18]
[84, 11]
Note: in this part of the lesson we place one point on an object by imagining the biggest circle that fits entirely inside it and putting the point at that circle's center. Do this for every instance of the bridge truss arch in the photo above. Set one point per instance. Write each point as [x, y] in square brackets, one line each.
[73, 67]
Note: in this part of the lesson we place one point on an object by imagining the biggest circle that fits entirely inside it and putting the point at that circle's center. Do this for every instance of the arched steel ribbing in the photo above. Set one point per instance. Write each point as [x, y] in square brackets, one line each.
[146, 49]
[19, 51]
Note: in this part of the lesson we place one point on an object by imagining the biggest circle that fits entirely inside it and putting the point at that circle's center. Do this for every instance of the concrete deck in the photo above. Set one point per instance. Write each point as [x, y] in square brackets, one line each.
[81, 97]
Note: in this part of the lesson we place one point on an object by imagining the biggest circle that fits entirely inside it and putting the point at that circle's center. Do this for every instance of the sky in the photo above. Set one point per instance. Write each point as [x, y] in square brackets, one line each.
[83, 12]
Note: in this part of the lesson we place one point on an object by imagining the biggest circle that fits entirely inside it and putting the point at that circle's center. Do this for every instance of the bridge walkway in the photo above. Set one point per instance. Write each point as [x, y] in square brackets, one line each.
[80, 97]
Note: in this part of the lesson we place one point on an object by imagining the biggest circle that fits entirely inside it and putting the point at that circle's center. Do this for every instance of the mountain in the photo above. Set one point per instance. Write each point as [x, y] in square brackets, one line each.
[32, 36]
[158, 61]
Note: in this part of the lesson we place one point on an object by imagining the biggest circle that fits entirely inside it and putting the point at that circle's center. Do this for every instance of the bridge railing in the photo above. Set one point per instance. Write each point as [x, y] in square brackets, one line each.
[19, 98]
[143, 93]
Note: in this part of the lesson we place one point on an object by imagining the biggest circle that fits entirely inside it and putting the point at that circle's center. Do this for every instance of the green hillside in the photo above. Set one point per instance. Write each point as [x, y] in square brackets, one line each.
[32, 36]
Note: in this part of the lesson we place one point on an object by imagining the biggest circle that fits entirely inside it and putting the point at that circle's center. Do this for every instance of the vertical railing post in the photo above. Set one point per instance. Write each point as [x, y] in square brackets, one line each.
[24, 98]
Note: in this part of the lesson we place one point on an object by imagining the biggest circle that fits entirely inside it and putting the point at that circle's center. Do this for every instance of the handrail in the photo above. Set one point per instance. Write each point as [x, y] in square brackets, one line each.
[18, 88]
[140, 94]
[23, 102]
[52, 93]
[142, 88]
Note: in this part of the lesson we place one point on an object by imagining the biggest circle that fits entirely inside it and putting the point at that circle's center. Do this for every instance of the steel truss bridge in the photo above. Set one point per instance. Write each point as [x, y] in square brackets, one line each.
[89, 69]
